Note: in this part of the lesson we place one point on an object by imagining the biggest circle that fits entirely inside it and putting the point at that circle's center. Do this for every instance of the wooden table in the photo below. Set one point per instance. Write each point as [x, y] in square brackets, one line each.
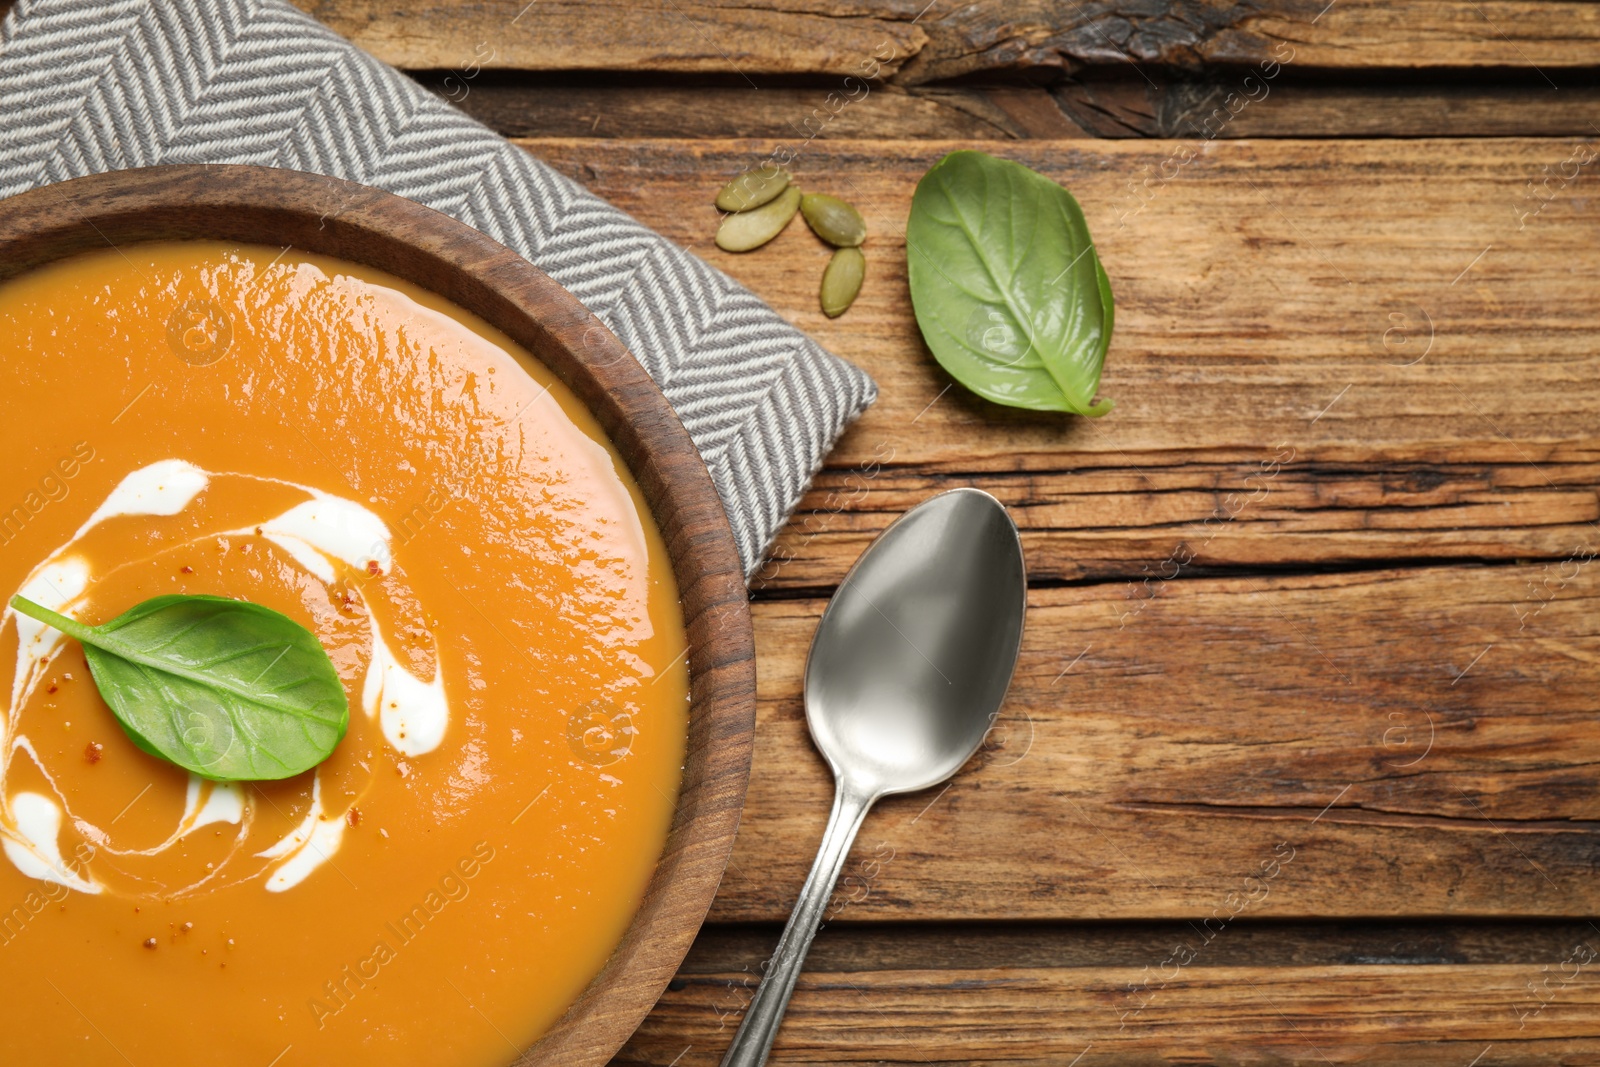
[1301, 762]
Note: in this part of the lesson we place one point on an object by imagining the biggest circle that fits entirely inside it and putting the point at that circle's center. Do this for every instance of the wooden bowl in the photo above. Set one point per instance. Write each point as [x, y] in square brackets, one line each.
[352, 222]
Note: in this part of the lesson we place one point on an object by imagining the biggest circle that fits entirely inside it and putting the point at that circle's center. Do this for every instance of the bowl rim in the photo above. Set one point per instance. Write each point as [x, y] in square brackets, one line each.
[369, 226]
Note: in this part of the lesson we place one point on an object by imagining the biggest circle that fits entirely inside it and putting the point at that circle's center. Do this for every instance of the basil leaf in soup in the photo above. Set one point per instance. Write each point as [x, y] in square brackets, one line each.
[230, 690]
[1007, 286]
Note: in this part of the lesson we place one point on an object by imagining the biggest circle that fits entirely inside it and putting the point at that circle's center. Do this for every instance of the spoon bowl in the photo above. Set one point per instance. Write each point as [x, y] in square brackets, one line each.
[914, 653]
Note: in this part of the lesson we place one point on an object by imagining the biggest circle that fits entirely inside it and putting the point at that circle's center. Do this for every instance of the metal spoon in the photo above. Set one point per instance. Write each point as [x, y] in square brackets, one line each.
[906, 674]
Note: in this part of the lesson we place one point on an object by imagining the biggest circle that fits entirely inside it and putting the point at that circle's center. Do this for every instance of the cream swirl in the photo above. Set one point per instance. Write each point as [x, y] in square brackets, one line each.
[324, 536]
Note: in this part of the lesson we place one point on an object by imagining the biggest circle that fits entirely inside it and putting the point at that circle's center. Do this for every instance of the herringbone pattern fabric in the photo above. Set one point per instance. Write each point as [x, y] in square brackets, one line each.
[95, 85]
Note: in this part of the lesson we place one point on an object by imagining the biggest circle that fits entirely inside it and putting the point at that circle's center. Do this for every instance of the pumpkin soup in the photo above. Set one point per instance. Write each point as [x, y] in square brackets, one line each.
[450, 523]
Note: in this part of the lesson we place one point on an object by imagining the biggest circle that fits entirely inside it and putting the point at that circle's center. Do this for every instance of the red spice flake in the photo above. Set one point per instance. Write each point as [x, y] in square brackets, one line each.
[185, 569]
[52, 687]
[93, 751]
[373, 568]
[353, 817]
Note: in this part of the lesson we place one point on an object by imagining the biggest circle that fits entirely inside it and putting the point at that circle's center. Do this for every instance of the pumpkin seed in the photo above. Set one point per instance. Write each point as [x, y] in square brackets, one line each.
[753, 188]
[833, 220]
[842, 281]
[744, 230]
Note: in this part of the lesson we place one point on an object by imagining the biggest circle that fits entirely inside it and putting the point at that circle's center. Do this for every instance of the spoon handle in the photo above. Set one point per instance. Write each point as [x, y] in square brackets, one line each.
[765, 1014]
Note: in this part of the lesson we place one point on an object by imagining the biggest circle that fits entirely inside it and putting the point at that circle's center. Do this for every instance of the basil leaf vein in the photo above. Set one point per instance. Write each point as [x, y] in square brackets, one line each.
[227, 689]
[1007, 286]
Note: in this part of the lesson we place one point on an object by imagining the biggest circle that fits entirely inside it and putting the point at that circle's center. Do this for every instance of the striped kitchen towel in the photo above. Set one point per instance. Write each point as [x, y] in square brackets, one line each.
[97, 85]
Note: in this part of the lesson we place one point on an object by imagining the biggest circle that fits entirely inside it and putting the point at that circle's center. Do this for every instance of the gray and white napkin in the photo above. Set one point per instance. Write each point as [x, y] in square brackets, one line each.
[96, 85]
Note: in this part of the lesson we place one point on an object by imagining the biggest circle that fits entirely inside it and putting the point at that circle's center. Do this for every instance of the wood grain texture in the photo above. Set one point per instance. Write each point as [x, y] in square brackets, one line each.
[603, 106]
[919, 42]
[1355, 104]
[1420, 741]
[550, 35]
[1097, 524]
[1270, 297]
[371, 227]
[1390, 993]
[845, 944]
[1049, 1017]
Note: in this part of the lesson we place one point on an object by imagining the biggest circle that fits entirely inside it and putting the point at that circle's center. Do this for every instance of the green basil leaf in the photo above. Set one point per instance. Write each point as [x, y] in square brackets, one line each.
[230, 690]
[1007, 286]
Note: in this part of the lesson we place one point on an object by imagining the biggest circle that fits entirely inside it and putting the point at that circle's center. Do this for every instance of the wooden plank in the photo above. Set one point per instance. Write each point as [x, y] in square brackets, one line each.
[468, 49]
[1345, 34]
[1399, 743]
[1207, 105]
[1269, 292]
[1049, 969]
[1070, 973]
[1146, 78]
[1126, 523]
[1432, 1015]
[917, 41]
[581, 106]
[1517, 34]
[586, 105]
[714, 36]
[847, 945]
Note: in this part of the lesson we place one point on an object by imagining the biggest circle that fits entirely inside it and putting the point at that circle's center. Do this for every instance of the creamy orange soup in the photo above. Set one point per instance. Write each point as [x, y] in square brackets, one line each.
[404, 481]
